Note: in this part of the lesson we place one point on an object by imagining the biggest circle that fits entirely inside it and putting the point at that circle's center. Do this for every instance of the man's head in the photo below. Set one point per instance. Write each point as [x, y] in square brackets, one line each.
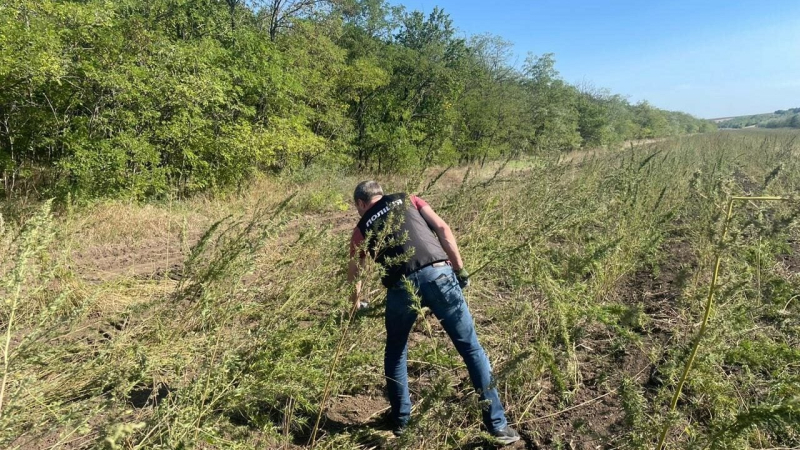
[366, 194]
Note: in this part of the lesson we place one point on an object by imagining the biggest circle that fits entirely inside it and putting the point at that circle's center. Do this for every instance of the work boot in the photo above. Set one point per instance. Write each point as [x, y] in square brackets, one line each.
[388, 423]
[506, 435]
[399, 429]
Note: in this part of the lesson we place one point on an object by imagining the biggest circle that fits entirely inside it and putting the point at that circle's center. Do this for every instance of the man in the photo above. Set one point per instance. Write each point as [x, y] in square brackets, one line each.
[417, 247]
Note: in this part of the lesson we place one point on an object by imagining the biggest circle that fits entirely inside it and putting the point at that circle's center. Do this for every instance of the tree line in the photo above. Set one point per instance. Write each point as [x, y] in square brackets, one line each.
[782, 118]
[143, 98]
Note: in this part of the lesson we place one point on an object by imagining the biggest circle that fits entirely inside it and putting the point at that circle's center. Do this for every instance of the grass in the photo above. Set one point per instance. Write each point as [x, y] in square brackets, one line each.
[212, 322]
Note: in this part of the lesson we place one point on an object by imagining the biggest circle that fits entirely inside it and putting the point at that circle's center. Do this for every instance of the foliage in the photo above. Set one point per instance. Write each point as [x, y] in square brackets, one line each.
[782, 118]
[587, 287]
[147, 99]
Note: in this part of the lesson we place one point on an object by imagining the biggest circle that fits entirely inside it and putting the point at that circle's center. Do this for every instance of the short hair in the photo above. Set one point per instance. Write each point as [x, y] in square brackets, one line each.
[366, 190]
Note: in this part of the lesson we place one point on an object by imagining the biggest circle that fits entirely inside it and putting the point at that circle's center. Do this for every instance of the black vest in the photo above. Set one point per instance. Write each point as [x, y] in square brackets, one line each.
[399, 238]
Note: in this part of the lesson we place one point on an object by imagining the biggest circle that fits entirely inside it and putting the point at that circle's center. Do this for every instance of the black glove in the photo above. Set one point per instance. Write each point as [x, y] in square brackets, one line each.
[463, 278]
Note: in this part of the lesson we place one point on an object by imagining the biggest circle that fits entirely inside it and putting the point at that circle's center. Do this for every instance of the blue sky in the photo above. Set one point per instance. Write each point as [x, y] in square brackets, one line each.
[710, 58]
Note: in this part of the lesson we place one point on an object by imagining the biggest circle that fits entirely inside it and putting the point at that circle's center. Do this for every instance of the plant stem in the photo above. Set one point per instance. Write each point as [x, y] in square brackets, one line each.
[327, 391]
[8, 346]
[707, 313]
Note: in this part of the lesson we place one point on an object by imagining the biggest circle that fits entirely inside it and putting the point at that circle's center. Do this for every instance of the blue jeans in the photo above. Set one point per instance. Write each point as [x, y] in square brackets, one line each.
[439, 290]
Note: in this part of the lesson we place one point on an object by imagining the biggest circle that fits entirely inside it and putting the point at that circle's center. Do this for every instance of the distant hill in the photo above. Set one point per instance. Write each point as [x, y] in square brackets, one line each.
[783, 118]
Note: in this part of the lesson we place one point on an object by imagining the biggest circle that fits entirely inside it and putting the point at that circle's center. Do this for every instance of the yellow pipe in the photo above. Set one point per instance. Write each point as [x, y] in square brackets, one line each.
[759, 198]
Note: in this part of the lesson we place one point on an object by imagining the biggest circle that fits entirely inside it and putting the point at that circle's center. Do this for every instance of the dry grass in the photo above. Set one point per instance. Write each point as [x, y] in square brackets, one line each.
[211, 322]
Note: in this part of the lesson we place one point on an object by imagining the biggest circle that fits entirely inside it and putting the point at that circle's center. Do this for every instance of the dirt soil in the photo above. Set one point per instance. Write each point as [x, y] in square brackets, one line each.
[592, 416]
[357, 409]
[660, 294]
[748, 185]
[148, 259]
[159, 258]
[791, 260]
[368, 411]
[590, 420]
[595, 417]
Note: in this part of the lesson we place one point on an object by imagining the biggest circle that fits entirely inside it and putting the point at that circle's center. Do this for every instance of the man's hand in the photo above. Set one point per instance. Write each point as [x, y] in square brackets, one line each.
[463, 278]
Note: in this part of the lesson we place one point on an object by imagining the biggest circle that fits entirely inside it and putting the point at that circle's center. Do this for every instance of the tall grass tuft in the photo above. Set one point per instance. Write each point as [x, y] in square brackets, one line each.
[29, 248]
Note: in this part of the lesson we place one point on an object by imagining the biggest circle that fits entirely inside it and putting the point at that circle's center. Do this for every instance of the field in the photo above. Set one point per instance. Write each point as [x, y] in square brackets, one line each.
[213, 322]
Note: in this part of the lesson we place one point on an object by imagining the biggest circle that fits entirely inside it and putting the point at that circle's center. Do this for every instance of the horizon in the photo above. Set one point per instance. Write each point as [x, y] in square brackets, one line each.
[711, 60]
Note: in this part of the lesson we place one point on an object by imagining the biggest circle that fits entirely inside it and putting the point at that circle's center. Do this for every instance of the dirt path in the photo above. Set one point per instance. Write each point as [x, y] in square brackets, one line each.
[162, 257]
[149, 259]
[579, 156]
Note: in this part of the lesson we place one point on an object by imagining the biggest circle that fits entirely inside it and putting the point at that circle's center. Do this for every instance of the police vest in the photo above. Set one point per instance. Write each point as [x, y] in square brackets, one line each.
[398, 238]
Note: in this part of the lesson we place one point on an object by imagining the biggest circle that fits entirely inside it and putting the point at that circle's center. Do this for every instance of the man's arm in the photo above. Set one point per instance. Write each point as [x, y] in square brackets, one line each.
[445, 235]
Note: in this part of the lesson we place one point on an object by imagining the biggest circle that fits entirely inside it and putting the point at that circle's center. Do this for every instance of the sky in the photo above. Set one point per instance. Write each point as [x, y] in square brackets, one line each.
[709, 58]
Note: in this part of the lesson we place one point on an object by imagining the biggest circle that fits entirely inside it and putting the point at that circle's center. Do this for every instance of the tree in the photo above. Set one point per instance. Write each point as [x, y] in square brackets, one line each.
[651, 121]
[595, 123]
[491, 104]
[551, 109]
[143, 98]
[413, 114]
[371, 18]
[279, 14]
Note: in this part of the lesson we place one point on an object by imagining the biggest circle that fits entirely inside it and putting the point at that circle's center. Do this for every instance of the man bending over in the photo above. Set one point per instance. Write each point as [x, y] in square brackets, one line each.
[419, 247]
